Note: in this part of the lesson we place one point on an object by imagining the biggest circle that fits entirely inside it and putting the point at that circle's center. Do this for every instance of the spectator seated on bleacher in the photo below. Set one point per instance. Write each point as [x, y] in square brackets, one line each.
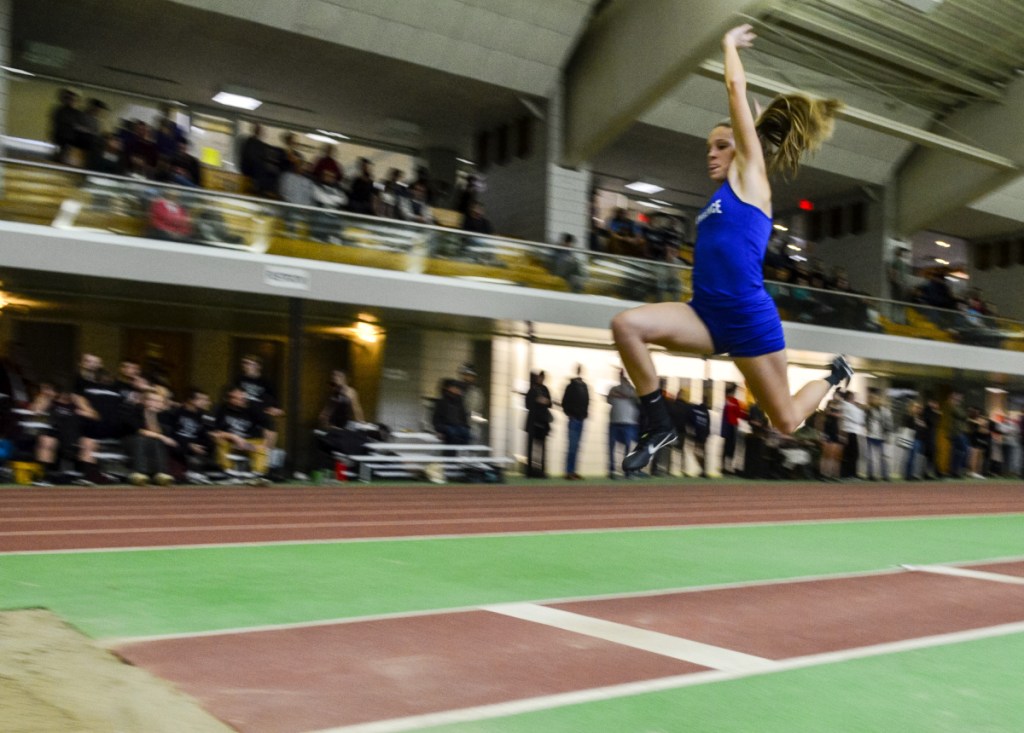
[61, 443]
[570, 265]
[625, 236]
[240, 429]
[211, 228]
[151, 441]
[415, 207]
[450, 418]
[193, 453]
[168, 218]
[341, 426]
[328, 196]
[476, 221]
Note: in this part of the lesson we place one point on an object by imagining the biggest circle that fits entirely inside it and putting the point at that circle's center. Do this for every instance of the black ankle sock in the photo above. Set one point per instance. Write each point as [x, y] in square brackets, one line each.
[655, 411]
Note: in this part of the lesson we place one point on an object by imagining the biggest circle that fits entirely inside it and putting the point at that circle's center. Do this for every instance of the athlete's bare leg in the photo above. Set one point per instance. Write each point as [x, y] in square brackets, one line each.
[675, 326]
[768, 379]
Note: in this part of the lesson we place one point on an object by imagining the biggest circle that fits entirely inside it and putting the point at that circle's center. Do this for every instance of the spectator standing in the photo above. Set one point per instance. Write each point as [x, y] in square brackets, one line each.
[255, 164]
[363, 197]
[732, 413]
[476, 221]
[852, 430]
[327, 195]
[932, 418]
[297, 188]
[980, 438]
[392, 194]
[623, 420]
[831, 441]
[473, 398]
[915, 421]
[328, 162]
[959, 442]
[538, 425]
[468, 195]
[879, 431]
[65, 126]
[89, 366]
[899, 274]
[575, 404]
[679, 412]
[699, 430]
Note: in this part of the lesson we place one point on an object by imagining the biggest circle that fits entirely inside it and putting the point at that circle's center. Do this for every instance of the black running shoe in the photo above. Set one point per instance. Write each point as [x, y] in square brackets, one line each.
[841, 371]
[650, 443]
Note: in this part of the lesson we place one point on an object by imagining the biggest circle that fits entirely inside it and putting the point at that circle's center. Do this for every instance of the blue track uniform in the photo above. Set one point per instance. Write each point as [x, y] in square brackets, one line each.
[728, 281]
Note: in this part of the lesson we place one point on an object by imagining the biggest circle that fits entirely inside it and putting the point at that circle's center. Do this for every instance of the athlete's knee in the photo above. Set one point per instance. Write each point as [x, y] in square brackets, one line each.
[787, 424]
[623, 326]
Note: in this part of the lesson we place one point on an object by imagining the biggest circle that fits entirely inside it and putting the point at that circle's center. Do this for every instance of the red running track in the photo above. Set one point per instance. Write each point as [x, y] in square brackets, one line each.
[62, 518]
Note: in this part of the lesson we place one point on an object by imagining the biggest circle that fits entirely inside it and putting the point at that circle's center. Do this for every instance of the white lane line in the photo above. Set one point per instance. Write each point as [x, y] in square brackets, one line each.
[547, 702]
[114, 642]
[965, 573]
[685, 650]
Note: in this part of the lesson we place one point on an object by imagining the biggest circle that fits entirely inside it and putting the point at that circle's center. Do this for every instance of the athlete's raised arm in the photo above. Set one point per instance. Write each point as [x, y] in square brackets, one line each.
[750, 175]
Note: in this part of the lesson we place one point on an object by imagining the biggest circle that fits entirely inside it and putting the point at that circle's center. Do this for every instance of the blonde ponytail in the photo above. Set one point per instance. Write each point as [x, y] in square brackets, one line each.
[794, 124]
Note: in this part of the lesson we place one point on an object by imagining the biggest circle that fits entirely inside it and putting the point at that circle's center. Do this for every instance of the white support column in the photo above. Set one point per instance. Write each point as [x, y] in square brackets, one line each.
[568, 191]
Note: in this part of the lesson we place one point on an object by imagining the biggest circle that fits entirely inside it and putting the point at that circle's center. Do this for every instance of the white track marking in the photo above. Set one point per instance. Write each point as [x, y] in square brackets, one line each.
[686, 650]
[521, 533]
[112, 643]
[965, 573]
[120, 641]
[547, 702]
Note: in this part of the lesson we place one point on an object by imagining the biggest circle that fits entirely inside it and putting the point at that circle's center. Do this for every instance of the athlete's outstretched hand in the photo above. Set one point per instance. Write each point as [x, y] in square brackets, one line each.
[742, 36]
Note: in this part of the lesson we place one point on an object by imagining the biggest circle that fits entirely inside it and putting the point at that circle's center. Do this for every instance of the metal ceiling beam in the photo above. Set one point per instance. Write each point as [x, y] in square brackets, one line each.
[851, 38]
[935, 35]
[871, 121]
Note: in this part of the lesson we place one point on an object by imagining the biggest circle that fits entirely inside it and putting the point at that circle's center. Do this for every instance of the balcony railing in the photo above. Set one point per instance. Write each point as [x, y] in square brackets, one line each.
[72, 199]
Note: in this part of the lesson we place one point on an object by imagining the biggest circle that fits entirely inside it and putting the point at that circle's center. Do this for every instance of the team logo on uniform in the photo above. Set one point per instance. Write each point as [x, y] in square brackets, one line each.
[715, 207]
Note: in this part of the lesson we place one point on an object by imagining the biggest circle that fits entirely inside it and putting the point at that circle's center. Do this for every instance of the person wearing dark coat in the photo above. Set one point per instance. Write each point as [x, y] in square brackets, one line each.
[538, 425]
[575, 404]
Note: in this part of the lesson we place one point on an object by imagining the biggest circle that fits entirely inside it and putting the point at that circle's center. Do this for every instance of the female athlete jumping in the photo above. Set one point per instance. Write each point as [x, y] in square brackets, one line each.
[730, 311]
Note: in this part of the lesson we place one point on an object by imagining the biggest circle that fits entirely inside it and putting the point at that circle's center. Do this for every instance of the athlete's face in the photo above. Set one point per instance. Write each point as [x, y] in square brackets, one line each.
[721, 150]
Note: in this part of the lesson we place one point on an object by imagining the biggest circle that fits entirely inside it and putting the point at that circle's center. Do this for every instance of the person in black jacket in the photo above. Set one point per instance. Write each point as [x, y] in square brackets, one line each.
[151, 441]
[575, 403]
[538, 425]
[194, 450]
[451, 420]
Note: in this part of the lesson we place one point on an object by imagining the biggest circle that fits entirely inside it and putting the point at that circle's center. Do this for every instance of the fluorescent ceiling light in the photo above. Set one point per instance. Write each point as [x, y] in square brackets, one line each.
[795, 247]
[467, 162]
[337, 135]
[661, 203]
[995, 390]
[320, 138]
[642, 187]
[230, 99]
[941, 261]
[780, 227]
[942, 244]
[12, 70]
[649, 204]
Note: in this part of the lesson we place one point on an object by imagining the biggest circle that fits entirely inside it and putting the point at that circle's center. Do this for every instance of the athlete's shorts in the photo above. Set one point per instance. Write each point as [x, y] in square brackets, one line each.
[742, 328]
